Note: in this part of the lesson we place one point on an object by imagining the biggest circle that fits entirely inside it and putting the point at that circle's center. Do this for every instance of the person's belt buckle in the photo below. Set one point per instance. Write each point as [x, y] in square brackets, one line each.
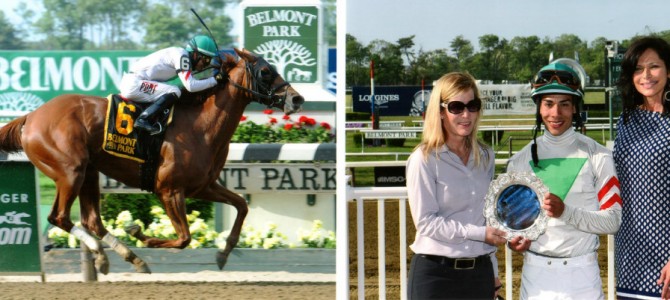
[464, 263]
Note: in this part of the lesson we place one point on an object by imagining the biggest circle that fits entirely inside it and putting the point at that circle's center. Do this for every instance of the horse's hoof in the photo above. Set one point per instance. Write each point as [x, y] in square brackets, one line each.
[133, 230]
[142, 268]
[221, 259]
[102, 263]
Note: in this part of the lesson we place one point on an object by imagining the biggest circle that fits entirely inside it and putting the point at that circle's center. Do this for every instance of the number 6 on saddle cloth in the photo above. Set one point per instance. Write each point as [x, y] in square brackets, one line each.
[122, 140]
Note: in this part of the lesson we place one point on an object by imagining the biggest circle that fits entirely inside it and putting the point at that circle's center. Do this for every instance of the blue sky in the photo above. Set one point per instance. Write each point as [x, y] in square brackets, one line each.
[436, 23]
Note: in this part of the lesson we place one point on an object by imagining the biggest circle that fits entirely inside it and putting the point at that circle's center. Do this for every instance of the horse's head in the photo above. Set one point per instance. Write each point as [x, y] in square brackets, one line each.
[266, 85]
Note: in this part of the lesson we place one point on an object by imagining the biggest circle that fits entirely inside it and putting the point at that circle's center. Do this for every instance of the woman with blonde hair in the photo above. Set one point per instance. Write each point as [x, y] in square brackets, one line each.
[448, 176]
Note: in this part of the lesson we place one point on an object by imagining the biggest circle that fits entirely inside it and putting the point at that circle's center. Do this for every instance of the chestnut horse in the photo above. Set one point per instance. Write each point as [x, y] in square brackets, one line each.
[63, 139]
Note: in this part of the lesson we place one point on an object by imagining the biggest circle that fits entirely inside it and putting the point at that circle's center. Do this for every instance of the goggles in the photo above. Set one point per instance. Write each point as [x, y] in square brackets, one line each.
[562, 77]
[206, 59]
[457, 107]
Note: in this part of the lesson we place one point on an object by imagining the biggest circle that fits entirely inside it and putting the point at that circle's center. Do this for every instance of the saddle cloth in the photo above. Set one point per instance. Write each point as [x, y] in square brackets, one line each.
[121, 139]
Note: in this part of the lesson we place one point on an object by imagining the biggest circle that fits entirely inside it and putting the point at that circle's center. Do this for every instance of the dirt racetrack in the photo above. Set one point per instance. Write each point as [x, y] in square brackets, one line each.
[167, 290]
[393, 253]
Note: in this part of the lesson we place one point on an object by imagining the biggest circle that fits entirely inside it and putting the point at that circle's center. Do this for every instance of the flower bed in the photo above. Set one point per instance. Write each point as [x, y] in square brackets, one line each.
[290, 130]
[201, 235]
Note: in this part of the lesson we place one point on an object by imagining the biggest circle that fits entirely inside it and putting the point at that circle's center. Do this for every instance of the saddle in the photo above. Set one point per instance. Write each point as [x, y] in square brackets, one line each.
[122, 140]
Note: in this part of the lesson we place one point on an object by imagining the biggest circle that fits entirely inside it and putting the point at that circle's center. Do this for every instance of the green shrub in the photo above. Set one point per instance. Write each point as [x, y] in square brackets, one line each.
[358, 116]
[395, 142]
[139, 205]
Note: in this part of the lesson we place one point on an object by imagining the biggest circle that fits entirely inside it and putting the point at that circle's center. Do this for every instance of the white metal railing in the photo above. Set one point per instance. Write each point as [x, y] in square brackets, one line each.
[381, 194]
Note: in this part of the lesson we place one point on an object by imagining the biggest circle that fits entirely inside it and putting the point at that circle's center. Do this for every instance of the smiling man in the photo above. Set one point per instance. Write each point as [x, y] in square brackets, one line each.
[583, 199]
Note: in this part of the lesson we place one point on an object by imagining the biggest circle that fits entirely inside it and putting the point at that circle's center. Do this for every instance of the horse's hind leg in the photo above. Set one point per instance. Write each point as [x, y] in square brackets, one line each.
[217, 193]
[175, 208]
[89, 202]
[65, 163]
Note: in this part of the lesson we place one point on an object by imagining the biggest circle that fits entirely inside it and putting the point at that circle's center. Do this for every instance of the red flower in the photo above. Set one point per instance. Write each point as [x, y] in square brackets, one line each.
[273, 121]
[244, 118]
[307, 121]
[267, 111]
[325, 125]
[286, 117]
[288, 126]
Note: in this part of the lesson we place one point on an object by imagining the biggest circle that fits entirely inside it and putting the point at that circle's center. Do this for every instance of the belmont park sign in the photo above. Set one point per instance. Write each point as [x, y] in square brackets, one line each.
[287, 37]
[30, 78]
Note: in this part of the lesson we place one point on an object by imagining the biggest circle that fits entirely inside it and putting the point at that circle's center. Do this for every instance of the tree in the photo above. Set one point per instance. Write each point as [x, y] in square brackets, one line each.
[175, 25]
[463, 50]
[355, 65]
[389, 66]
[8, 35]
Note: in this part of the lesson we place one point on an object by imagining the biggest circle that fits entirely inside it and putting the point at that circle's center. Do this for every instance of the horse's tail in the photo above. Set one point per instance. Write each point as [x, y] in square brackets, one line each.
[10, 135]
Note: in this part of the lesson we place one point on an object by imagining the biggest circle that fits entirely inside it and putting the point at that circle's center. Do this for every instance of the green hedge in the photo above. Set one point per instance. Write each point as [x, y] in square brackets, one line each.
[139, 205]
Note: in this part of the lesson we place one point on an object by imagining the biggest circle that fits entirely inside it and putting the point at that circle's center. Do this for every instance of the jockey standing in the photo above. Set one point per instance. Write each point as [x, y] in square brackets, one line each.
[146, 81]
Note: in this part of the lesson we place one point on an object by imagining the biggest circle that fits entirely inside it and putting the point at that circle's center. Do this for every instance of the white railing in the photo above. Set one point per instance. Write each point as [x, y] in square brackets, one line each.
[381, 194]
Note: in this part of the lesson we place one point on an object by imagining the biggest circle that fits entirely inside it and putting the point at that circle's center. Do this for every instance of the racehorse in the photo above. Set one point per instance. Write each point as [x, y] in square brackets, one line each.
[63, 139]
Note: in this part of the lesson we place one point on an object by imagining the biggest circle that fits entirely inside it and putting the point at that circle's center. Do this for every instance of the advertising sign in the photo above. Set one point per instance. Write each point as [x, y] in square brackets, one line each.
[260, 178]
[392, 100]
[287, 37]
[19, 230]
[498, 99]
[30, 78]
[390, 176]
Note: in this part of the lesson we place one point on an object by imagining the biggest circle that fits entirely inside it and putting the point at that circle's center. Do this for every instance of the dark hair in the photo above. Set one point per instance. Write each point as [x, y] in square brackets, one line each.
[631, 97]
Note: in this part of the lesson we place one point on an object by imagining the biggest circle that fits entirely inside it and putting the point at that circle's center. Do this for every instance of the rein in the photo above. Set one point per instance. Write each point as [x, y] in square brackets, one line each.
[256, 82]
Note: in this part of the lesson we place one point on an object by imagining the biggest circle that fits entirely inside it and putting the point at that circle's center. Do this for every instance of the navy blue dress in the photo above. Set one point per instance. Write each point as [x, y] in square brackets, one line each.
[642, 245]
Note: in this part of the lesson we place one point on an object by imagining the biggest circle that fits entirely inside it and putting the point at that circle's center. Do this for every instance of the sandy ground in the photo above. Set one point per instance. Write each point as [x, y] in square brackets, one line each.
[199, 285]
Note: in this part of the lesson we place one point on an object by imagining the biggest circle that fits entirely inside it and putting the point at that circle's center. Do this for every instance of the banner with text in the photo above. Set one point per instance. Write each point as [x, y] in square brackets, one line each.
[498, 99]
[19, 230]
[260, 178]
[30, 78]
[288, 38]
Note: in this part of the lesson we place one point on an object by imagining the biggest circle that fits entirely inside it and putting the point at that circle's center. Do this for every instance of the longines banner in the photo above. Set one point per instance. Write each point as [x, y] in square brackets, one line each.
[287, 37]
[499, 99]
[260, 178]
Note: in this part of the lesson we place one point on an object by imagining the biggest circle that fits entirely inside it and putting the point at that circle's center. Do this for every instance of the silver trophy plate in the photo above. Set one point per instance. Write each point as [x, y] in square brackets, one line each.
[514, 205]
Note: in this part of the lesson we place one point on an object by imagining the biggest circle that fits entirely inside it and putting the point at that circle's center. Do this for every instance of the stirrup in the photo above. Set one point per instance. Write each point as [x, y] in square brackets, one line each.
[146, 126]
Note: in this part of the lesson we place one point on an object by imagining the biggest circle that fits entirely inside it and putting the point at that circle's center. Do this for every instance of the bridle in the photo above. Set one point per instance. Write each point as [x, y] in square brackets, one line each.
[261, 88]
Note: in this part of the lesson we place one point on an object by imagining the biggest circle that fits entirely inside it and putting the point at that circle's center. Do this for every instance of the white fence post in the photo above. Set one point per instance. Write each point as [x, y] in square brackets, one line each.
[380, 194]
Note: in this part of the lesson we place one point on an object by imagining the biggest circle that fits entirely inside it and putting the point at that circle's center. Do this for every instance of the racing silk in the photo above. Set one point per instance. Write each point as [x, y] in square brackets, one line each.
[581, 172]
[163, 65]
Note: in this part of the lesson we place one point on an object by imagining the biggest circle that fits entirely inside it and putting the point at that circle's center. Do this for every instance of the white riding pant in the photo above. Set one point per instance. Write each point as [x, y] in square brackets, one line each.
[546, 278]
[145, 91]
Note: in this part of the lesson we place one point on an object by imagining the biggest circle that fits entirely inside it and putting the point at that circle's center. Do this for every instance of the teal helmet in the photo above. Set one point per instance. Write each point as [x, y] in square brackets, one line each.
[557, 78]
[202, 44]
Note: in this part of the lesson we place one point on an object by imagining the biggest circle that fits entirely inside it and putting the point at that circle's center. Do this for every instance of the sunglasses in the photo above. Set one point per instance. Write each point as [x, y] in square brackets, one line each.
[562, 77]
[457, 107]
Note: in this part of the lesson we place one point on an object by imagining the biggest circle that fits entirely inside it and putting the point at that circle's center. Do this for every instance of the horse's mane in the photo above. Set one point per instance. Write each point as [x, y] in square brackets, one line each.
[228, 62]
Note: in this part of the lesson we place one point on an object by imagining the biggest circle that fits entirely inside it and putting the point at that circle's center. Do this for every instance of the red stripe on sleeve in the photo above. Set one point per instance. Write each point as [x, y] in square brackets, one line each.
[613, 200]
[611, 183]
[188, 74]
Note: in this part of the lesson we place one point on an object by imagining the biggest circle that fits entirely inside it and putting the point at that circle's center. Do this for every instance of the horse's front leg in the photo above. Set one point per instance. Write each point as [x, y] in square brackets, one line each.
[217, 193]
[175, 208]
[89, 203]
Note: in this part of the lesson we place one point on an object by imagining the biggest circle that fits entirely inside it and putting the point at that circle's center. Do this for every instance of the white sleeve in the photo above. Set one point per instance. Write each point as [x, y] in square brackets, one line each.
[194, 85]
[608, 219]
[422, 192]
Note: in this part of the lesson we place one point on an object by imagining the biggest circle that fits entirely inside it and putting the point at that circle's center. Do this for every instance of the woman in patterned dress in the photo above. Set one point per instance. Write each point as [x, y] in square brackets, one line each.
[642, 158]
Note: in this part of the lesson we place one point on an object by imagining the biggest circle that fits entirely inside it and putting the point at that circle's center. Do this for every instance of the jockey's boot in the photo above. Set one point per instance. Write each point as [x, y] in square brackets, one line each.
[146, 120]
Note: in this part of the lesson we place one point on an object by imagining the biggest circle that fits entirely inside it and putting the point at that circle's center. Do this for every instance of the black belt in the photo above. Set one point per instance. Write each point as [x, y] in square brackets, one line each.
[462, 263]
